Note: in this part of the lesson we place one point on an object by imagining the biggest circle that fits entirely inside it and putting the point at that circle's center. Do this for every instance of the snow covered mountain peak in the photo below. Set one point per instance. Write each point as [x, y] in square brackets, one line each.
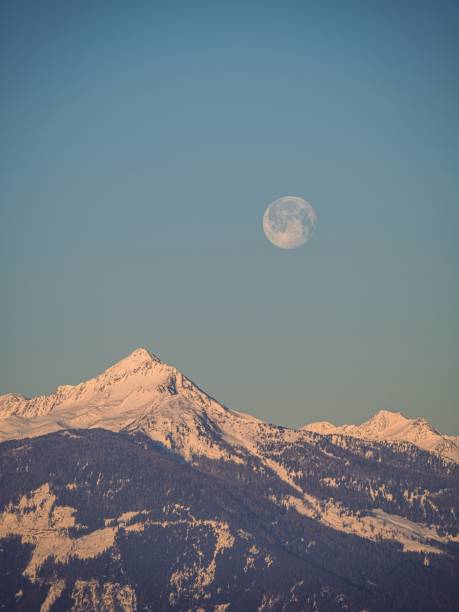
[140, 367]
[140, 392]
[384, 420]
[387, 416]
[395, 426]
[139, 358]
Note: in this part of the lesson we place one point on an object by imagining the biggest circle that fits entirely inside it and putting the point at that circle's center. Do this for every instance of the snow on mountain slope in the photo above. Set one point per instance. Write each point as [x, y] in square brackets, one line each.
[139, 371]
[97, 520]
[143, 394]
[138, 393]
[394, 426]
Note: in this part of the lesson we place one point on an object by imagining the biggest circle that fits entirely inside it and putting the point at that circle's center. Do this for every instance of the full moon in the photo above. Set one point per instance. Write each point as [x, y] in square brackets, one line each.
[289, 222]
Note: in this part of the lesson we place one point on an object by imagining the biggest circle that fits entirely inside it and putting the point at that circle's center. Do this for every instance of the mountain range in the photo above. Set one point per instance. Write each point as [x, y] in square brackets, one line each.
[137, 490]
[142, 392]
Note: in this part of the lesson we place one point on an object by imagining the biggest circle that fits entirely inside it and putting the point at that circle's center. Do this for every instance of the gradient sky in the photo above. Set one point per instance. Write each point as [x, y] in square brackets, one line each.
[141, 143]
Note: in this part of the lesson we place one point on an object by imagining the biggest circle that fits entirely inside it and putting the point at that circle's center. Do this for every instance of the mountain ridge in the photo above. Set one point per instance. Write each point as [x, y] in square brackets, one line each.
[395, 426]
[96, 520]
[141, 390]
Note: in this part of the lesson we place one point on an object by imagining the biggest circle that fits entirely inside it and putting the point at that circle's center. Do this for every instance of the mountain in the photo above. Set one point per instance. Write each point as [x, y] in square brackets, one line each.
[394, 426]
[136, 490]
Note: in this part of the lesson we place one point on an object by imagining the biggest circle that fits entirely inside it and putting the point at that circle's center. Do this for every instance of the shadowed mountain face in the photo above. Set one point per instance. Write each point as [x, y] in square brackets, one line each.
[136, 490]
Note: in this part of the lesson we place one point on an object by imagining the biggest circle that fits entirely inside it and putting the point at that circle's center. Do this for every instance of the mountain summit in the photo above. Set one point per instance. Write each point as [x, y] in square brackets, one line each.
[394, 426]
[139, 370]
[138, 358]
[140, 392]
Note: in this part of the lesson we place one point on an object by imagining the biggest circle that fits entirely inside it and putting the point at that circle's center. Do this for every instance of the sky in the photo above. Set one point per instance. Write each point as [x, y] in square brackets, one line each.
[141, 144]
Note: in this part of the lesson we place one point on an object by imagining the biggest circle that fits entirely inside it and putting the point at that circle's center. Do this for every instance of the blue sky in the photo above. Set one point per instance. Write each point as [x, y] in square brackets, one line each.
[141, 144]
